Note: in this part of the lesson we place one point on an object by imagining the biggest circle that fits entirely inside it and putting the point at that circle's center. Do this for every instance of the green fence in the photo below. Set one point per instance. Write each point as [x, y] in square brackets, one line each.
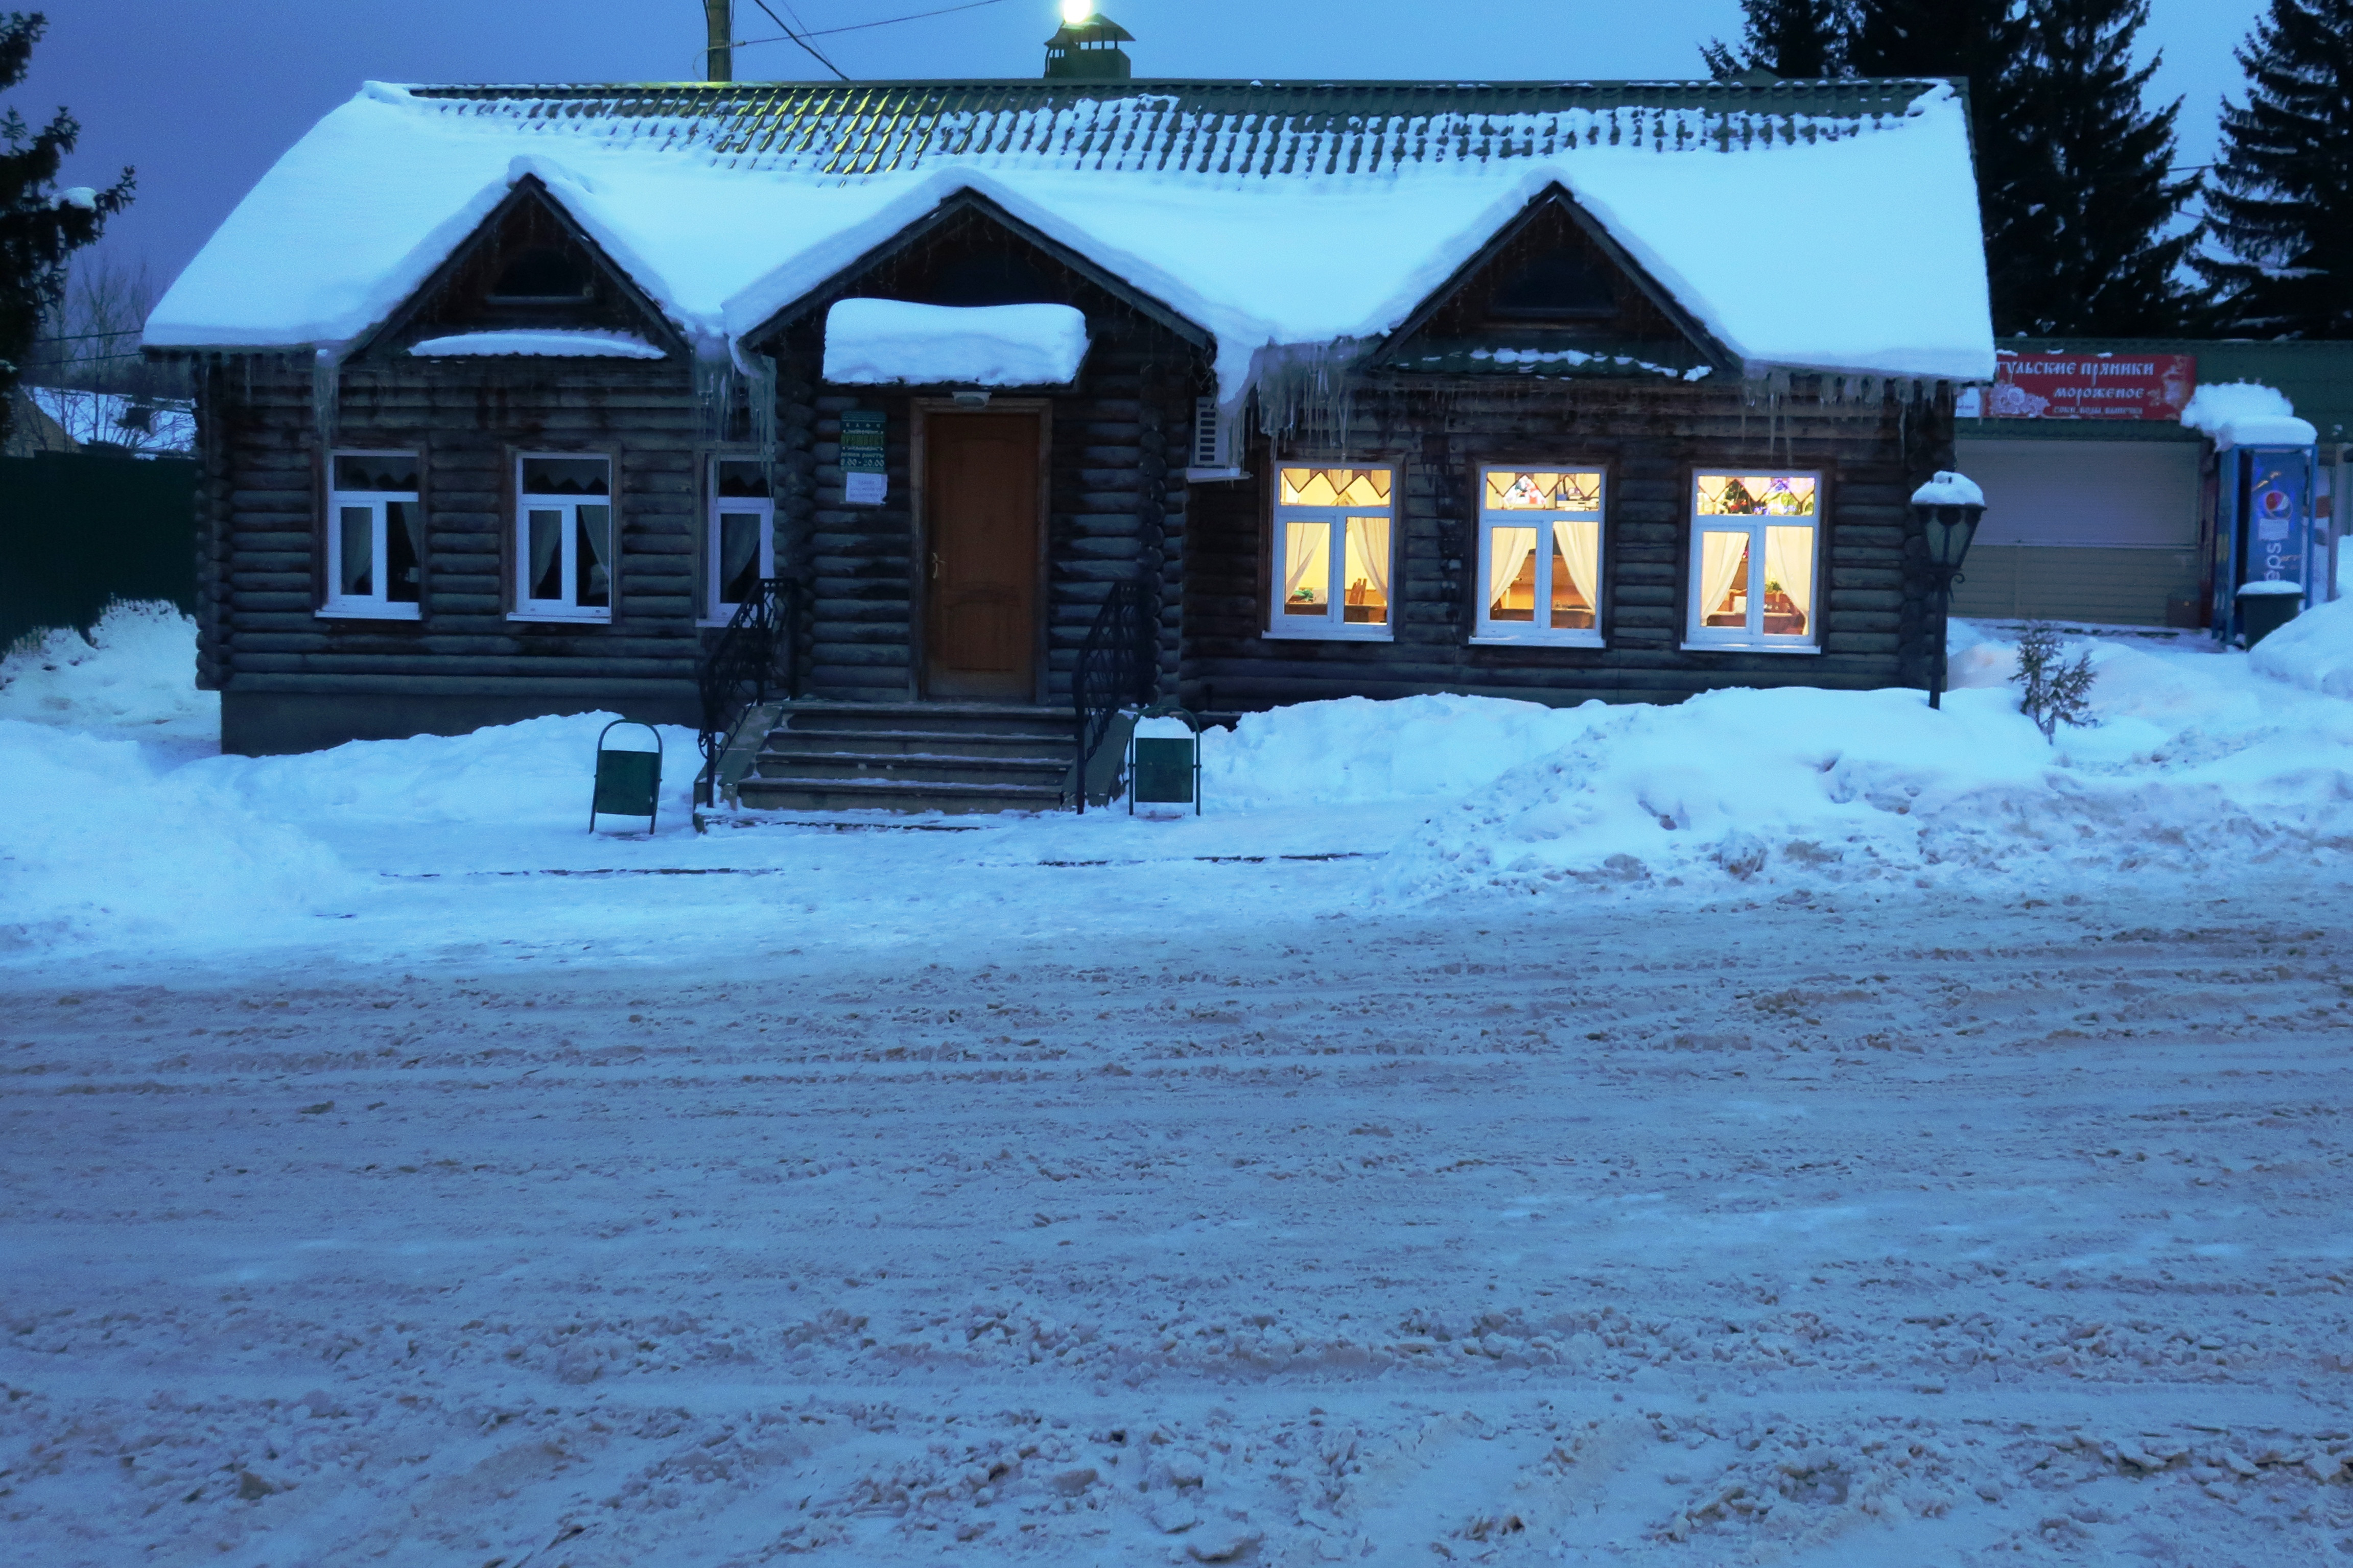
[78, 531]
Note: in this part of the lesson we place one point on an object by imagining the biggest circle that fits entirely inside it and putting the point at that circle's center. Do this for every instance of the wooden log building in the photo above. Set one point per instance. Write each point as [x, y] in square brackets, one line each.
[534, 427]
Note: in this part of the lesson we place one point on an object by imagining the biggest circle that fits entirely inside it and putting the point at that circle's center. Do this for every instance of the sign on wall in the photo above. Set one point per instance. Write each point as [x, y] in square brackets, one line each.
[2084, 386]
[2276, 514]
[865, 474]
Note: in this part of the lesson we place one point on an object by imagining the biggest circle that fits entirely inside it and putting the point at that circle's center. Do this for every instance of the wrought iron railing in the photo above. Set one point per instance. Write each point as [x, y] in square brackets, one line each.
[1114, 671]
[753, 662]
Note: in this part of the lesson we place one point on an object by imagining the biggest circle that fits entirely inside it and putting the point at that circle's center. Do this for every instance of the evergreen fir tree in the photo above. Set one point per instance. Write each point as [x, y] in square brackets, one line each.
[2282, 201]
[2086, 254]
[40, 226]
[1987, 41]
[1787, 37]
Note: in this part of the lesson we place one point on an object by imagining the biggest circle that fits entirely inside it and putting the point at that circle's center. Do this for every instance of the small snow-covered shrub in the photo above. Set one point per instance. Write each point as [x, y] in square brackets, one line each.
[2051, 691]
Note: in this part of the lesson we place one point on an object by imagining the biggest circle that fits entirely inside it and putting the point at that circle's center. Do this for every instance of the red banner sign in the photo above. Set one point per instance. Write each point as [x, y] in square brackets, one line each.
[2090, 386]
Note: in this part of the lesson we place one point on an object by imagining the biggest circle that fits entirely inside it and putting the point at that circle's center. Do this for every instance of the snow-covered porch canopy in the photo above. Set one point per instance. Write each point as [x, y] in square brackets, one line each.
[1804, 226]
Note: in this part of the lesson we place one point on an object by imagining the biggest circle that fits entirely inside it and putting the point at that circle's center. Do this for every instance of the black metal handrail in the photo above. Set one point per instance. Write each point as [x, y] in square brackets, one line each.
[753, 661]
[1114, 670]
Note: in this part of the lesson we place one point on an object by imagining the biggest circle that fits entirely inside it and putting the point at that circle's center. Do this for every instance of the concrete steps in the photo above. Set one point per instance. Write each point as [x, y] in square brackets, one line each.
[911, 757]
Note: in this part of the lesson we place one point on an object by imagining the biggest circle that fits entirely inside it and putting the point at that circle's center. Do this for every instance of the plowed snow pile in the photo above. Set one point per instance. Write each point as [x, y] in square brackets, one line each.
[2197, 762]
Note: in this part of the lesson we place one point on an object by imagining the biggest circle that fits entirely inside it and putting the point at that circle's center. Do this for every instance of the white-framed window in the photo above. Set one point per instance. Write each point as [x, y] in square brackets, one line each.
[1334, 552]
[1755, 562]
[375, 537]
[741, 548]
[564, 537]
[1540, 556]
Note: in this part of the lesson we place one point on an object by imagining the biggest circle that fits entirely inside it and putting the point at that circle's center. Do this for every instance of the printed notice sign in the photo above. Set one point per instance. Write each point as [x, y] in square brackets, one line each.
[865, 476]
[2085, 386]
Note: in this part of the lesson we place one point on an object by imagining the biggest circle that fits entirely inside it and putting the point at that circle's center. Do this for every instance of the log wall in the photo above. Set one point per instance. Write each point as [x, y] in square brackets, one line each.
[290, 675]
[1872, 593]
[1118, 506]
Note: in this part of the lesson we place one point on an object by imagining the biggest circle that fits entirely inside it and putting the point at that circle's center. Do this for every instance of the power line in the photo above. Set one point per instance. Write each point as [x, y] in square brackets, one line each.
[861, 26]
[803, 43]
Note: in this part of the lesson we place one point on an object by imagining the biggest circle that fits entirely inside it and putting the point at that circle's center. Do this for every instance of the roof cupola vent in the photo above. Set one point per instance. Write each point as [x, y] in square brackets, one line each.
[1086, 47]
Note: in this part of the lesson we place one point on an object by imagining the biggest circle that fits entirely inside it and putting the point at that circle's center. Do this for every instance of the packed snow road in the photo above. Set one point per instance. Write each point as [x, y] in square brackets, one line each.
[1925, 1232]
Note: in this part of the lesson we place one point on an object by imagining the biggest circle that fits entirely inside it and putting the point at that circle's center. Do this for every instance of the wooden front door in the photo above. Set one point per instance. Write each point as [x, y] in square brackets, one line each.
[980, 569]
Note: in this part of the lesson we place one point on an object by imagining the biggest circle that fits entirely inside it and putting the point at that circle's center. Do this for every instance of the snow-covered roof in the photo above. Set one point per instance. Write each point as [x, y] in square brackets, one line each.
[1812, 226]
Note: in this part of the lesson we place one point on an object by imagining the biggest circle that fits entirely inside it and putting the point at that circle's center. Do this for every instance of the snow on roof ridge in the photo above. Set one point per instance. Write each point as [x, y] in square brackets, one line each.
[561, 342]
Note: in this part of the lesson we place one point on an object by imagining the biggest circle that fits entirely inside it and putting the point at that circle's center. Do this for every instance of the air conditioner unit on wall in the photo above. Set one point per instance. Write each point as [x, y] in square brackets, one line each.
[1213, 445]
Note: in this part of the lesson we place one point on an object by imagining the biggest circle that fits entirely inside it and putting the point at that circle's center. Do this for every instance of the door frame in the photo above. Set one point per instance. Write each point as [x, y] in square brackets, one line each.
[923, 410]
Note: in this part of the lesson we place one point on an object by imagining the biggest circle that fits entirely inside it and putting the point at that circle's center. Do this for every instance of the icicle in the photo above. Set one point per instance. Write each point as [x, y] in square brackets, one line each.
[326, 393]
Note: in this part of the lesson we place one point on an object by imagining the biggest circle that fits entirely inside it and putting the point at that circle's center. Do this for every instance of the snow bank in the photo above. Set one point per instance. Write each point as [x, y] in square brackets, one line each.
[136, 671]
[2246, 414]
[2315, 650]
[101, 839]
[551, 344]
[536, 773]
[2196, 764]
[1354, 749]
[880, 343]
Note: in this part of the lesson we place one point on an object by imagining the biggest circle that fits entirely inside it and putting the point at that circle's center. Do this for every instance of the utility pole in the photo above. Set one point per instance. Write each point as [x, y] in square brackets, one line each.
[719, 22]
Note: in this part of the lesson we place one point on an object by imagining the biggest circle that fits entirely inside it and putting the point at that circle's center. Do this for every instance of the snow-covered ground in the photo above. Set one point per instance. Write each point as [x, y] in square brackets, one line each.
[1829, 1133]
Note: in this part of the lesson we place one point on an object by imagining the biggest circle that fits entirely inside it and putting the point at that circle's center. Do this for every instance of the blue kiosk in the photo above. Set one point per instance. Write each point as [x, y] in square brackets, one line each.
[2269, 553]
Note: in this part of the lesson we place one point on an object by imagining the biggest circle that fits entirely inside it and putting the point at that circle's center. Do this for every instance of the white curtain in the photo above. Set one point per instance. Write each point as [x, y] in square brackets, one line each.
[1508, 550]
[1789, 561]
[1578, 544]
[1368, 557]
[595, 587]
[1307, 564]
[1722, 559]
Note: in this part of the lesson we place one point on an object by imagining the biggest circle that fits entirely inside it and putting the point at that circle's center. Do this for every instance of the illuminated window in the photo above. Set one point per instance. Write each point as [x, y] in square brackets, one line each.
[1753, 560]
[1332, 568]
[741, 546]
[1540, 556]
[564, 539]
[375, 537]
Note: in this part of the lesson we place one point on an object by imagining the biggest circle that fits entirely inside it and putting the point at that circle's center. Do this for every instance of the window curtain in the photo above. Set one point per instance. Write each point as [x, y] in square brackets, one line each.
[739, 551]
[1723, 557]
[404, 544]
[1307, 562]
[596, 549]
[1508, 550]
[1368, 557]
[1789, 561]
[1580, 544]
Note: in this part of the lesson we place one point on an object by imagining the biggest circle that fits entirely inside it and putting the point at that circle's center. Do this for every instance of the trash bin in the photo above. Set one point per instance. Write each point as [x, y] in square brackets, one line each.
[2265, 607]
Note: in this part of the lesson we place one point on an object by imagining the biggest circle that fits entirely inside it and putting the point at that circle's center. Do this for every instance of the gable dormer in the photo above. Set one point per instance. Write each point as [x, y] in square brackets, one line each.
[970, 251]
[1552, 294]
[528, 266]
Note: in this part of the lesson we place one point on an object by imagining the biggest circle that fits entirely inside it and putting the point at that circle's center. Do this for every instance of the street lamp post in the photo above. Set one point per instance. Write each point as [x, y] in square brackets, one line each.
[1949, 507]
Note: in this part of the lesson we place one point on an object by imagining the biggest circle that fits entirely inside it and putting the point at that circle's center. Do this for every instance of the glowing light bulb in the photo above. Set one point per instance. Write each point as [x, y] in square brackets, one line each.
[1076, 11]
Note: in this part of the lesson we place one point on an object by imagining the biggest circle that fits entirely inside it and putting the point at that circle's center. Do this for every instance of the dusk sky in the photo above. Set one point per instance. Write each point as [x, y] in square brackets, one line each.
[203, 96]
